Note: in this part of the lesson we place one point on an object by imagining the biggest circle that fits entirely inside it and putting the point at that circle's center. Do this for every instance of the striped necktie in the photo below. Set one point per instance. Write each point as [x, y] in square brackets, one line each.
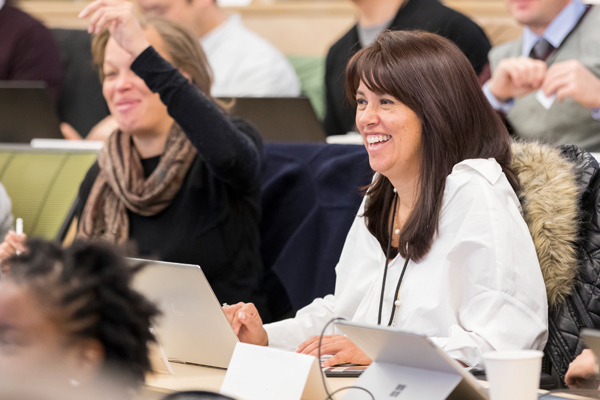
[541, 50]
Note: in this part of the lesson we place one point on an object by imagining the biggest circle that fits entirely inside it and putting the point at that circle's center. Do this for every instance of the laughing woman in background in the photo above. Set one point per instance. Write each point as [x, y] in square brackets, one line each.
[439, 246]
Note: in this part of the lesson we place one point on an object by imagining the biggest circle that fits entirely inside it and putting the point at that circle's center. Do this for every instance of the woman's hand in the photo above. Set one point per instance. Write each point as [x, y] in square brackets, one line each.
[581, 372]
[246, 323]
[341, 347]
[13, 242]
[120, 19]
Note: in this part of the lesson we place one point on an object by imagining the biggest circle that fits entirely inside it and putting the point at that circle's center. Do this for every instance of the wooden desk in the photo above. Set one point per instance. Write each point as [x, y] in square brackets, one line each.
[192, 377]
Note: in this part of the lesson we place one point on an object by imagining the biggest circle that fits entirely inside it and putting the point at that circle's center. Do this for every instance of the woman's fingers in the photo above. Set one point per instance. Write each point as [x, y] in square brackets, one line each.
[251, 329]
[308, 343]
[90, 8]
[231, 312]
[15, 241]
[104, 17]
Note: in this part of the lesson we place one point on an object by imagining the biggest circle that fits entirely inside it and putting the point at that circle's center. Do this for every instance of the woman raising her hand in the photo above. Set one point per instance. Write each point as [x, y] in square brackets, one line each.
[179, 177]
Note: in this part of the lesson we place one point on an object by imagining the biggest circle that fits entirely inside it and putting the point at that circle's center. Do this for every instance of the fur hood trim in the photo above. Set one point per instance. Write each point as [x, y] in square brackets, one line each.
[549, 197]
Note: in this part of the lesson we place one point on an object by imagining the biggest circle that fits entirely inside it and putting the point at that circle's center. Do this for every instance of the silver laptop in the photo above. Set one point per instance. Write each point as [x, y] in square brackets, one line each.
[406, 364]
[192, 328]
[26, 112]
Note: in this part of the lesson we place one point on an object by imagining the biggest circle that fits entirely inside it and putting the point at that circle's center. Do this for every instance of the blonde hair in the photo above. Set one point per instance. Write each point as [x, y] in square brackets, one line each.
[184, 51]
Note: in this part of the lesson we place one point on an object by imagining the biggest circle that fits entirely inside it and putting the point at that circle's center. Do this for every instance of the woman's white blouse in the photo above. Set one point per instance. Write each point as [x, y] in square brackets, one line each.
[479, 289]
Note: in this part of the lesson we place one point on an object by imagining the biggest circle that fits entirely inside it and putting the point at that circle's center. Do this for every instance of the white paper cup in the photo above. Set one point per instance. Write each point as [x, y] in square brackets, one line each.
[513, 375]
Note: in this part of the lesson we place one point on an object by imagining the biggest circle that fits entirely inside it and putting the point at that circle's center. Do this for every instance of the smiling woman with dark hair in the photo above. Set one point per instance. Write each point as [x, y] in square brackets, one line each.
[439, 246]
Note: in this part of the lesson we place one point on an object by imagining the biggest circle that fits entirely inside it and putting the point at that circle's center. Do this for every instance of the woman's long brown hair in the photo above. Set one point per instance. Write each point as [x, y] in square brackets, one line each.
[430, 75]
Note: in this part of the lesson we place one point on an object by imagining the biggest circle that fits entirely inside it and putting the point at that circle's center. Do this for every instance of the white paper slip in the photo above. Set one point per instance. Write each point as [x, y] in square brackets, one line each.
[544, 100]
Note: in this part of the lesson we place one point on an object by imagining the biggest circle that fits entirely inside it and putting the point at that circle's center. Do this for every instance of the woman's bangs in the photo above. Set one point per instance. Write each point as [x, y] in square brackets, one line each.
[376, 75]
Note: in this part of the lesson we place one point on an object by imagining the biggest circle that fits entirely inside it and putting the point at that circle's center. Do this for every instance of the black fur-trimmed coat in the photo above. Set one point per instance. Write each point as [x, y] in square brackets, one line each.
[560, 197]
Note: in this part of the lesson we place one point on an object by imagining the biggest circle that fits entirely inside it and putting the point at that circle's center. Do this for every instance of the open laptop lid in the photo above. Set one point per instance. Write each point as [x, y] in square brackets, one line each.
[416, 356]
[280, 119]
[592, 340]
[26, 112]
[192, 327]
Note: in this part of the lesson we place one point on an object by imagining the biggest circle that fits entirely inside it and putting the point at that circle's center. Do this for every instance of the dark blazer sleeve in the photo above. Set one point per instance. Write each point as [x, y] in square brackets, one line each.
[230, 153]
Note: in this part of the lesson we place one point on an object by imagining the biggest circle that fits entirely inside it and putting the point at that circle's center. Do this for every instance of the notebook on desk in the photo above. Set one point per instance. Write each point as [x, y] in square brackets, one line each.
[192, 328]
[26, 112]
[280, 119]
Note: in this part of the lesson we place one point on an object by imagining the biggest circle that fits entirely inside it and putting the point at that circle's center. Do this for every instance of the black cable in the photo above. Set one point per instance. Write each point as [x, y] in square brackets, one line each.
[387, 258]
[323, 373]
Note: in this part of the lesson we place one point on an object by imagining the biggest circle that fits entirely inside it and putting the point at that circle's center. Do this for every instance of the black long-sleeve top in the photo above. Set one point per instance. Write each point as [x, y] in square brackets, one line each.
[427, 15]
[213, 219]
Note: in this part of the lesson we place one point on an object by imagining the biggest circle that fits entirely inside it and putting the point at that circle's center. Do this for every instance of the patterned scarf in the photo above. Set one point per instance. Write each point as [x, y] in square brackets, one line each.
[121, 186]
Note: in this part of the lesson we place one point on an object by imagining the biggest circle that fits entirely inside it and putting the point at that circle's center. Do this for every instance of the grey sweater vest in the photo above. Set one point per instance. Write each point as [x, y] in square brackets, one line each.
[568, 122]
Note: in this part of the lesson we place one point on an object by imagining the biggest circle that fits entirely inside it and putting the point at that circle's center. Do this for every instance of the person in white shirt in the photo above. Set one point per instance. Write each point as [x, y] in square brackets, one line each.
[440, 229]
[243, 63]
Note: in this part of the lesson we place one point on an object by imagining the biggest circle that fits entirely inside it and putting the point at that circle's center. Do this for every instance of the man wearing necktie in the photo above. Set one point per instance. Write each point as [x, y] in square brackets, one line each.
[546, 82]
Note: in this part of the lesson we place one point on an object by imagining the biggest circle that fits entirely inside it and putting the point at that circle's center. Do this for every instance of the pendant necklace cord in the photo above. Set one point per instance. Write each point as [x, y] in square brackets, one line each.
[387, 261]
[387, 257]
[394, 305]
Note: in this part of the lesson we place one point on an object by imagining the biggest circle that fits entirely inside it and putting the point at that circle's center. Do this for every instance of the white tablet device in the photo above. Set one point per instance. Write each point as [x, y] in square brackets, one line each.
[192, 328]
[408, 367]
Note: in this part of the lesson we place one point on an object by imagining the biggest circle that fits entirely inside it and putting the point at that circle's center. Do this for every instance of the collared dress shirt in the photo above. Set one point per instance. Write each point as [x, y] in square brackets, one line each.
[246, 65]
[555, 34]
[479, 288]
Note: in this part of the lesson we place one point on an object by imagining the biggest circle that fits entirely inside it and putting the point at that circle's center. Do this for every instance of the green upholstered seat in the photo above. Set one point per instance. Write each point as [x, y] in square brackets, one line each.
[311, 71]
[42, 185]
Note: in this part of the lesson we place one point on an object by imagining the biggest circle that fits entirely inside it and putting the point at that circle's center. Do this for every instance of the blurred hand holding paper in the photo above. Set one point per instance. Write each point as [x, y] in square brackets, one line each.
[544, 100]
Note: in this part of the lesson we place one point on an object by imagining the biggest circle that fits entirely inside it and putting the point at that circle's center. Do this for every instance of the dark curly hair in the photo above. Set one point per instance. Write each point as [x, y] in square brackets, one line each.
[87, 286]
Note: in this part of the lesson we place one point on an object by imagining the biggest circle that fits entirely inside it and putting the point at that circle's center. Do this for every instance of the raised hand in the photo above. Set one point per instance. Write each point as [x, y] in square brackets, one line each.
[118, 16]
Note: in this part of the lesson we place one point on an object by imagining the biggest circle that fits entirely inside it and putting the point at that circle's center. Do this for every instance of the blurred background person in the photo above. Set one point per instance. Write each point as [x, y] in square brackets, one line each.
[374, 16]
[244, 64]
[71, 326]
[28, 51]
[558, 54]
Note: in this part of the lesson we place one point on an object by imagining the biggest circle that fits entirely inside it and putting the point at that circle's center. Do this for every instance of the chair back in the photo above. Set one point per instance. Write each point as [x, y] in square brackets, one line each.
[42, 185]
[560, 198]
[310, 196]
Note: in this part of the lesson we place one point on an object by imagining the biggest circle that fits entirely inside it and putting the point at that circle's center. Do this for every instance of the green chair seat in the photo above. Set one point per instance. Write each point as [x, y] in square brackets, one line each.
[42, 185]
